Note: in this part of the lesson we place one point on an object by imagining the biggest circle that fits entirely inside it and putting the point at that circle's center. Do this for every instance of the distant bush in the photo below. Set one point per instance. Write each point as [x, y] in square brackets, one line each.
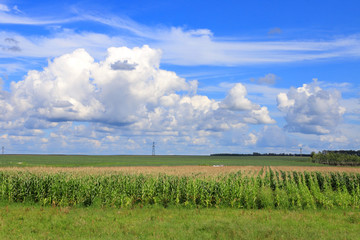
[336, 158]
[257, 154]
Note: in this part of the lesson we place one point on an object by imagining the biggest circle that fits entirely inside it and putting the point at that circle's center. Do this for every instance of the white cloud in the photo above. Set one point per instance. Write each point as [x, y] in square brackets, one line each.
[236, 99]
[142, 98]
[334, 139]
[4, 8]
[260, 116]
[252, 140]
[310, 109]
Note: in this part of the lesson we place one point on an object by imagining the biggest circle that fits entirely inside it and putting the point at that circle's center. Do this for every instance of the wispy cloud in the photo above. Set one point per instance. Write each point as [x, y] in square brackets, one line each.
[58, 43]
[180, 46]
[202, 47]
[9, 18]
[4, 8]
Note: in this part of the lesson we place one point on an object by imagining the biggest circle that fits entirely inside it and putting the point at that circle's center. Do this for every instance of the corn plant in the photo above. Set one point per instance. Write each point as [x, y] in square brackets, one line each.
[268, 189]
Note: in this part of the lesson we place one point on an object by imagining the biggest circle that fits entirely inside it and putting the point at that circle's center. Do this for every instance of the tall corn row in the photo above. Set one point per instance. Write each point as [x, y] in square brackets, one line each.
[265, 189]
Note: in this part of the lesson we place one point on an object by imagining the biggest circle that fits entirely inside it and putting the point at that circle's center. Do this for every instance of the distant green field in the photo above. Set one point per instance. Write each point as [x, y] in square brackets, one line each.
[145, 160]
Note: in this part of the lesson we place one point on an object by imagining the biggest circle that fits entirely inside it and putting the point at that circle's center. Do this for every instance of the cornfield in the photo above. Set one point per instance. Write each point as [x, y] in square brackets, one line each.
[263, 189]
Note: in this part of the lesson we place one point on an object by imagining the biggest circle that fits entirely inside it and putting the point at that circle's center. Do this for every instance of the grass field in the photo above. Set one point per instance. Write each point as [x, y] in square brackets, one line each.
[18, 221]
[145, 160]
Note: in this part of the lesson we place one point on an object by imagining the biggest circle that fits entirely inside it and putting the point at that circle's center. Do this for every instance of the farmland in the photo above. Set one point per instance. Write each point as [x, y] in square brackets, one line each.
[133, 160]
[177, 196]
[266, 188]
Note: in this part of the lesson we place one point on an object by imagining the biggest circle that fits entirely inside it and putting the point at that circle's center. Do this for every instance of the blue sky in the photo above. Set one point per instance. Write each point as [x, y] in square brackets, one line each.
[196, 77]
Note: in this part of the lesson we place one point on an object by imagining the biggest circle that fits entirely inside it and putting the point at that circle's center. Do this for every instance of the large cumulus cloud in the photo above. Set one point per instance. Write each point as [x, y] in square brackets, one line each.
[127, 89]
[310, 109]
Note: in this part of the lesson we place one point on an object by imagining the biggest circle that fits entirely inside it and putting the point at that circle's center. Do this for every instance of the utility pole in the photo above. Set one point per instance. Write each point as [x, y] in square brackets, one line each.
[153, 149]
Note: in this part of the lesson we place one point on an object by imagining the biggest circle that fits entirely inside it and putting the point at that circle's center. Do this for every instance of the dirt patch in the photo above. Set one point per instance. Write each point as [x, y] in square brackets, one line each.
[178, 170]
[318, 169]
[170, 170]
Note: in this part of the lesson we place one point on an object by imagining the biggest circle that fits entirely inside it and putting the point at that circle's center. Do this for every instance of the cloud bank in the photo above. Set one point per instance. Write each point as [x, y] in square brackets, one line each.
[126, 90]
[310, 109]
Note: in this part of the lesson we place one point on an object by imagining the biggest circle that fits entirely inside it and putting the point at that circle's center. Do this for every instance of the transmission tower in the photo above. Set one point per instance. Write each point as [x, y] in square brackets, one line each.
[301, 152]
[3, 150]
[153, 149]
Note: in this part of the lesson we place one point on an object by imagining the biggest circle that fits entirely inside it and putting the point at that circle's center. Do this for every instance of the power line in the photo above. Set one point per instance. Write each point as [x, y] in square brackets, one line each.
[153, 149]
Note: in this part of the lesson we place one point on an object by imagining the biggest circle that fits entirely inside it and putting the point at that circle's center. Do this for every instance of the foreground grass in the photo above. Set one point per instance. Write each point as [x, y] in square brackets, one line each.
[19, 221]
[142, 160]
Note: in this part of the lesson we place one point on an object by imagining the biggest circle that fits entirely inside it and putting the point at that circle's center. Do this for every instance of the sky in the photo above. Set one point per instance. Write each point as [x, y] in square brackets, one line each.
[195, 77]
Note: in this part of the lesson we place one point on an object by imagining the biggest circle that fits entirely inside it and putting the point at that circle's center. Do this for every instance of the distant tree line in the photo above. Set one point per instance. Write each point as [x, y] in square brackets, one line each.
[350, 152]
[260, 154]
[337, 158]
